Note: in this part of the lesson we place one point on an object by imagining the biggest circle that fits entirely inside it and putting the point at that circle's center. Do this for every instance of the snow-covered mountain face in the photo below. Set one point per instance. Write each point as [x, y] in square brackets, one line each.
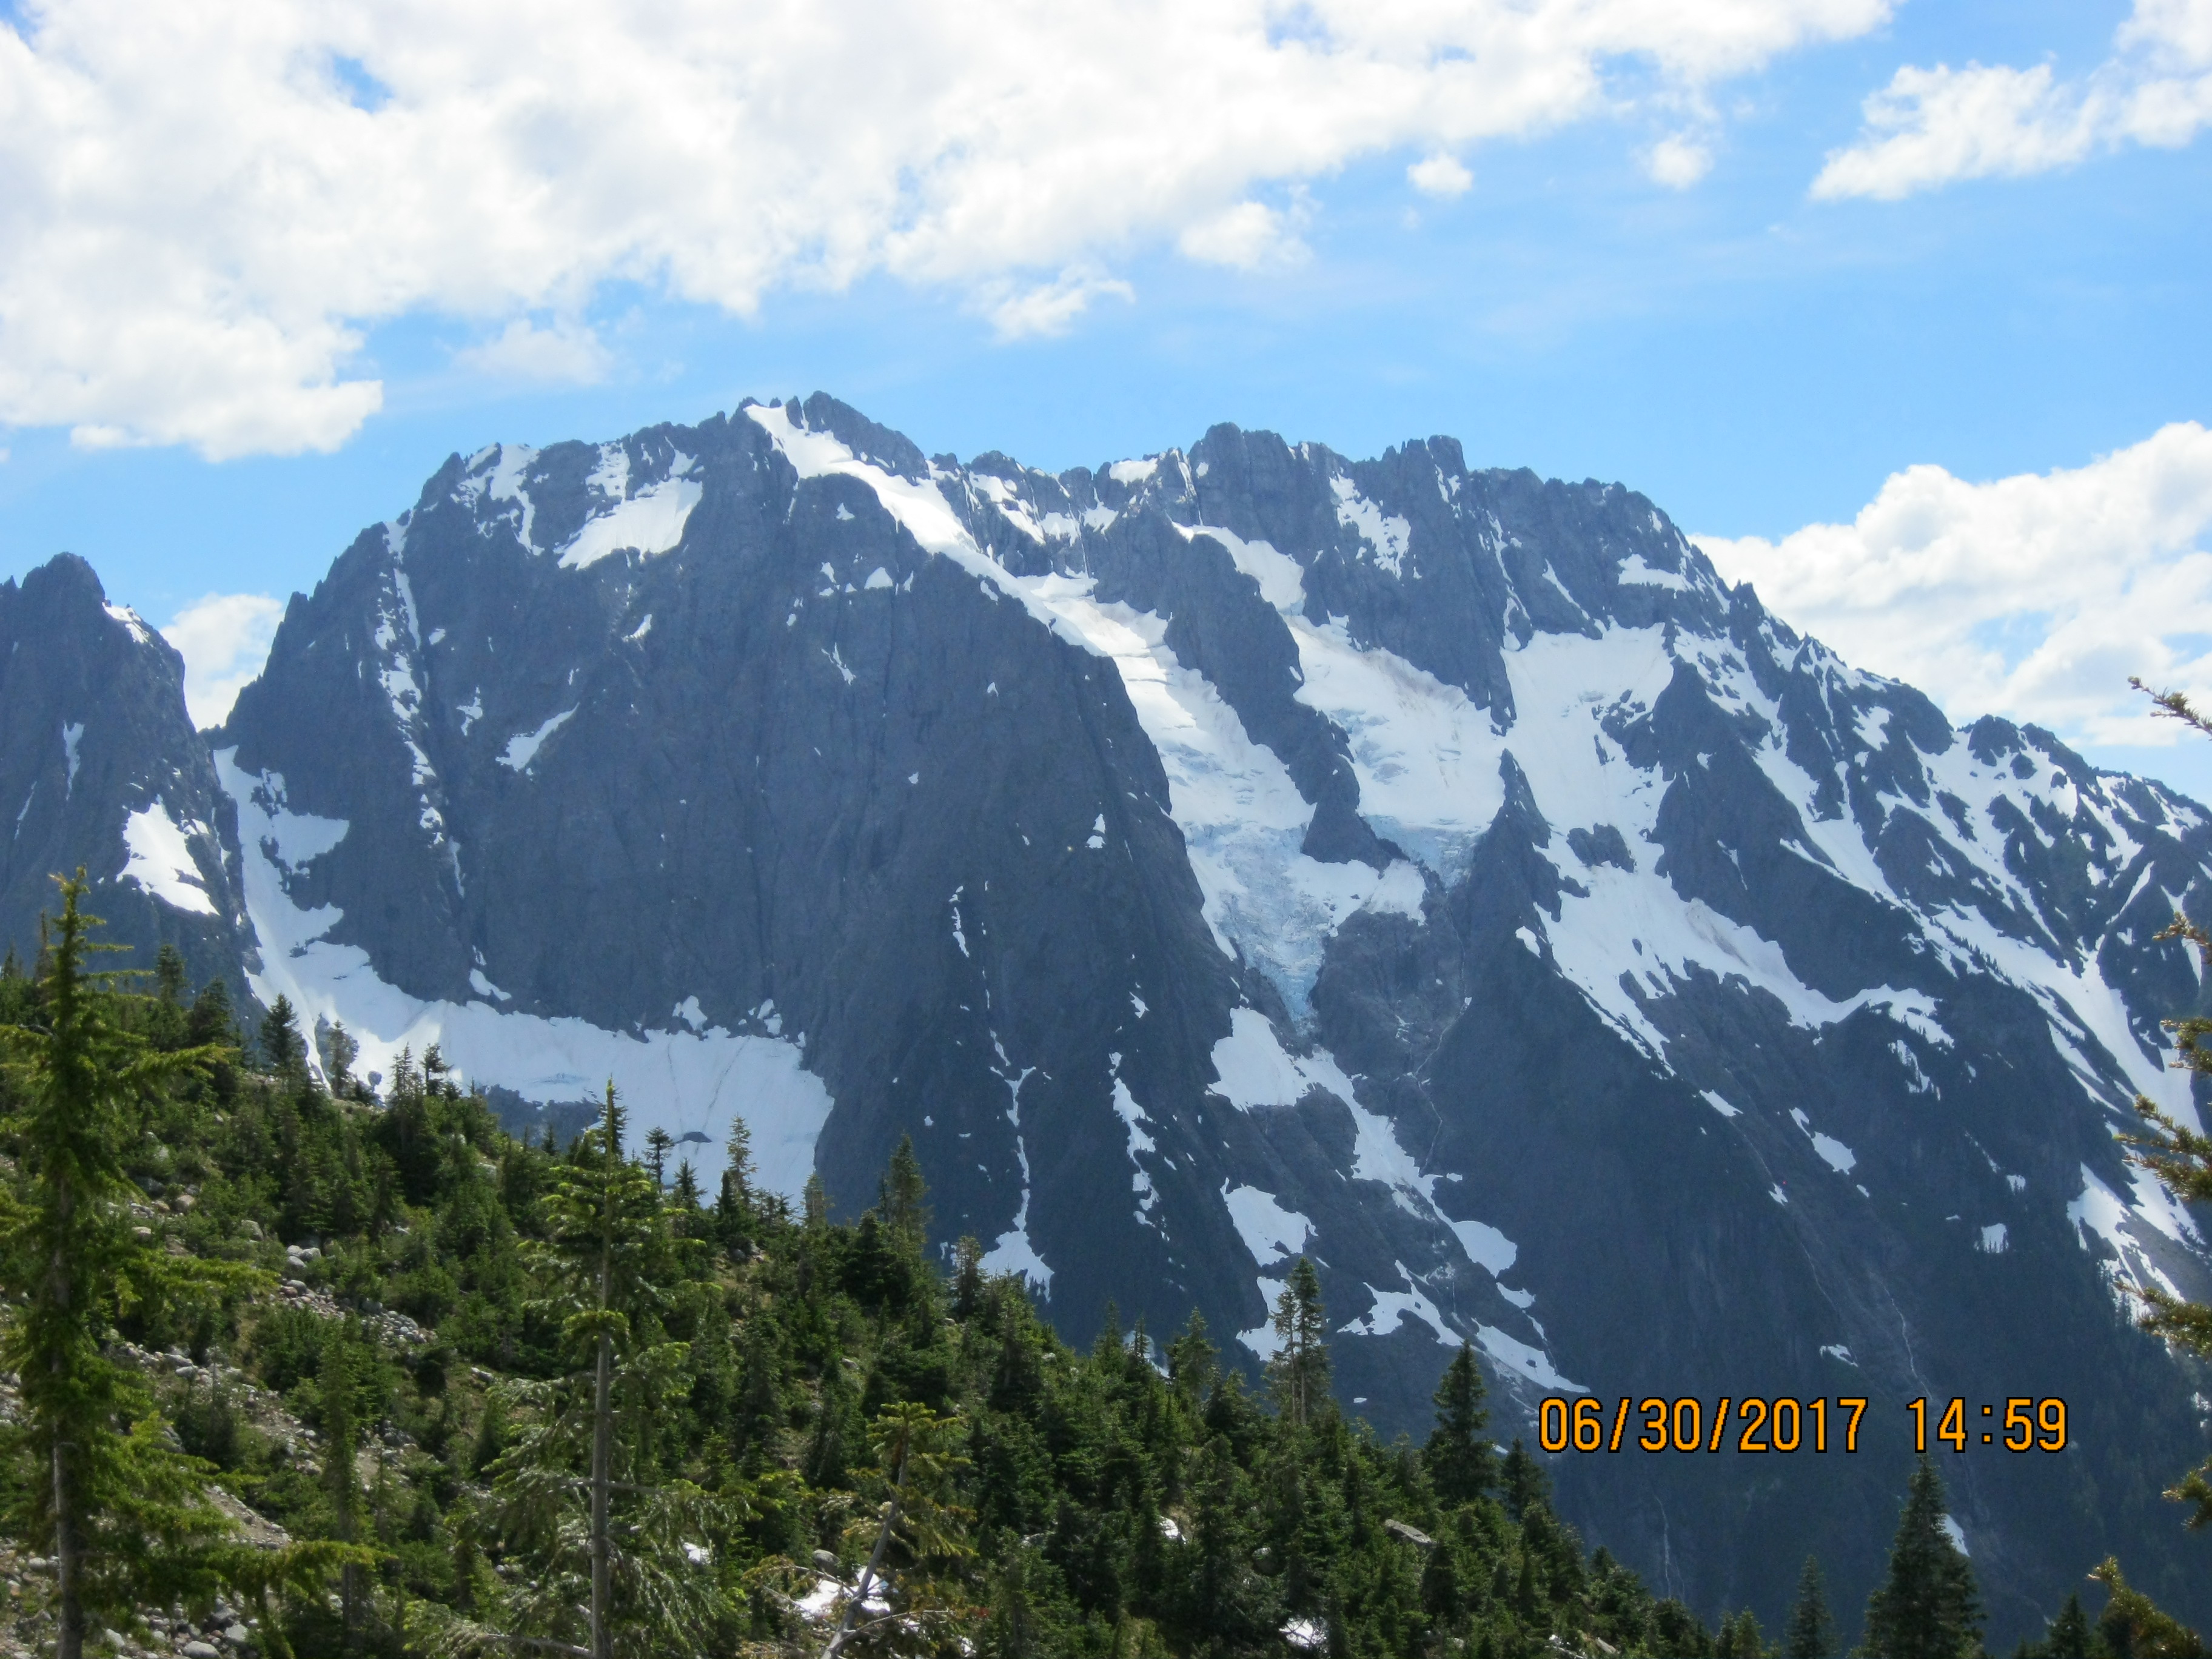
[1242, 852]
[99, 768]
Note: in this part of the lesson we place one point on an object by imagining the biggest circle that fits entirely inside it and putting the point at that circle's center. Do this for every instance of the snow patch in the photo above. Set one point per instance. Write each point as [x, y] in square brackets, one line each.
[648, 521]
[522, 748]
[683, 1083]
[1389, 535]
[1270, 1232]
[162, 862]
[1634, 572]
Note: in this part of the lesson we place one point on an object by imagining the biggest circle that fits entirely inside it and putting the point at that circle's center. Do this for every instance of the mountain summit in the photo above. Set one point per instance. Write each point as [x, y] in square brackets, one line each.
[1247, 852]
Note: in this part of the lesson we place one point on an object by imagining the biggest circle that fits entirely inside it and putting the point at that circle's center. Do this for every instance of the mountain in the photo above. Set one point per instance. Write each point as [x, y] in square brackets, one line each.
[99, 768]
[1228, 855]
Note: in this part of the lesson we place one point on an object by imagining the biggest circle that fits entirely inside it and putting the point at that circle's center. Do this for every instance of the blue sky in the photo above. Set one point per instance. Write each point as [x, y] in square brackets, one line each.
[1756, 359]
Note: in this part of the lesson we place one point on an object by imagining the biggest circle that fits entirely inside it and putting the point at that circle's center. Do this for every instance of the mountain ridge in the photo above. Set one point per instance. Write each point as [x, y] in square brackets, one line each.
[1246, 852]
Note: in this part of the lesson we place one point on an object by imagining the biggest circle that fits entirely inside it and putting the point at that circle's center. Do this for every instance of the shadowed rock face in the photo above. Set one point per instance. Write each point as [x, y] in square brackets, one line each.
[99, 768]
[1248, 851]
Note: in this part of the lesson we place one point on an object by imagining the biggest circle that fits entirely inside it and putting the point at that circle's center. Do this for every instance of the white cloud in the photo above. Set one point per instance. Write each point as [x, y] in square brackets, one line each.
[1440, 175]
[567, 352]
[2035, 596]
[204, 208]
[1023, 311]
[1931, 127]
[224, 639]
[1247, 236]
[1678, 162]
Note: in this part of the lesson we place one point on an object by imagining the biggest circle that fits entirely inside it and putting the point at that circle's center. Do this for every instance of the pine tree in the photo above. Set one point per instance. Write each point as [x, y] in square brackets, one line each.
[2133, 1626]
[2070, 1636]
[1927, 1607]
[1299, 1371]
[659, 1143]
[1527, 1486]
[640, 1593]
[683, 1197]
[917, 1460]
[1811, 1633]
[339, 1388]
[1740, 1637]
[1460, 1458]
[97, 1485]
[815, 1201]
[903, 1196]
[735, 1215]
[281, 1046]
[169, 974]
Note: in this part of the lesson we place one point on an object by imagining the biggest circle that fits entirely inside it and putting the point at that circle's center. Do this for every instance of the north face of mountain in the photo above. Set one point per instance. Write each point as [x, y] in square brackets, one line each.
[99, 768]
[1225, 855]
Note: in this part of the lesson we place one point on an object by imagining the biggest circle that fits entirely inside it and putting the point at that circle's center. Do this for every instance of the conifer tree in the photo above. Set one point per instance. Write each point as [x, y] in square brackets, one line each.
[169, 974]
[683, 1197]
[733, 1205]
[2179, 1156]
[659, 1143]
[1527, 1486]
[96, 1484]
[2132, 1626]
[1460, 1458]
[339, 1387]
[1811, 1633]
[1740, 1637]
[639, 1593]
[2070, 1636]
[917, 1460]
[1927, 1606]
[281, 1046]
[903, 1196]
[1299, 1371]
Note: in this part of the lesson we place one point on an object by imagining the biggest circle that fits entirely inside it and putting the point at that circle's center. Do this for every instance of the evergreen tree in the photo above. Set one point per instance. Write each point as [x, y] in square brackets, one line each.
[683, 1197]
[1811, 1633]
[1527, 1488]
[1460, 1458]
[212, 1020]
[734, 1209]
[1299, 1371]
[2132, 1626]
[339, 1051]
[281, 1046]
[339, 1391]
[1927, 1606]
[624, 1586]
[917, 1461]
[169, 974]
[659, 1143]
[1740, 1637]
[2070, 1636]
[95, 1483]
[902, 1195]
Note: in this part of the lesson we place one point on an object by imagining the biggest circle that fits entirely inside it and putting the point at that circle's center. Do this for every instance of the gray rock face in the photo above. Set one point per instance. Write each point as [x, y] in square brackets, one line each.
[100, 767]
[1244, 852]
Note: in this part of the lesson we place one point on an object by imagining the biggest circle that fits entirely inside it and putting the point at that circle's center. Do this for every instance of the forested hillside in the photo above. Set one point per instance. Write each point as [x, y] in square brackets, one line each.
[446, 1390]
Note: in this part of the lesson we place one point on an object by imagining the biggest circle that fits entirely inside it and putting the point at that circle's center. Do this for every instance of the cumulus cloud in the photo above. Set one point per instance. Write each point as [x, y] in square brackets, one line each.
[204, 208]
[1440, 175]
[224, 639]
[1931, 127]
[1679, 161]
[563, 354]
[1023, 310]
[2035, 596]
